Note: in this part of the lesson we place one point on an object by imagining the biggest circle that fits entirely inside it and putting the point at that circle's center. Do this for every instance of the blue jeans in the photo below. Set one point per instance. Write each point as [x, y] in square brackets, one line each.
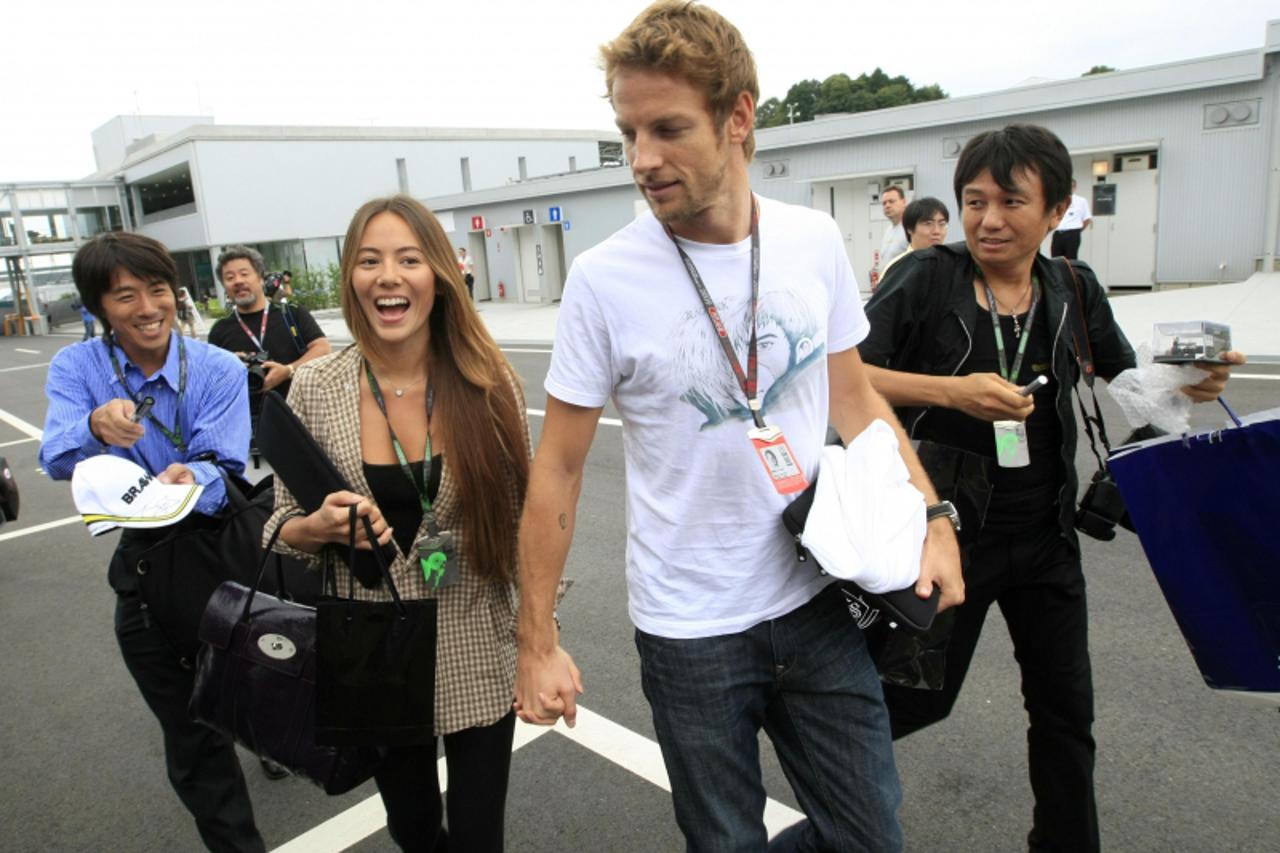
[807, 679]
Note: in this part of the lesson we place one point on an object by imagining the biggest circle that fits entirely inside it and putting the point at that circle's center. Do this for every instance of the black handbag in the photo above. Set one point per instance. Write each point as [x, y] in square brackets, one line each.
[256, 684]
[376, 662]
[178, 572]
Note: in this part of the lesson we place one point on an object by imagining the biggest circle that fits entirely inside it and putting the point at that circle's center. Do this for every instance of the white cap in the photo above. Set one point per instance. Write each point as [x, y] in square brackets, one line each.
[112, 492]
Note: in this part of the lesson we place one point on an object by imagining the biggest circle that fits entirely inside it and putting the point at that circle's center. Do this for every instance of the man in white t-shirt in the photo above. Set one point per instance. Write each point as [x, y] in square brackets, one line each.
[1066, 237]
[733, 632]
[894, 242]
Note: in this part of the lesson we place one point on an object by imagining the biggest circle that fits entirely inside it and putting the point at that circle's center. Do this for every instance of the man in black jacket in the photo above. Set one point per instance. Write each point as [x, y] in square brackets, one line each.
[956, 330]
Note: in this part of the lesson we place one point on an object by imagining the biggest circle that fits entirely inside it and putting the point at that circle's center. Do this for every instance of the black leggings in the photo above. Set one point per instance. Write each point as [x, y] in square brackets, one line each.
[479, 761]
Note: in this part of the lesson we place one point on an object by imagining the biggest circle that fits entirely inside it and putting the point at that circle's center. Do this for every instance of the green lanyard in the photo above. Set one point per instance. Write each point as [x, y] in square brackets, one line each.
[1011, 374]
[395, 443]
[174, 435]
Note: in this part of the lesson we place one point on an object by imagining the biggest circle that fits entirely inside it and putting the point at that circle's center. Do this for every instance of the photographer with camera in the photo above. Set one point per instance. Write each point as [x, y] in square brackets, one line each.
[271, 339]
[979, 346]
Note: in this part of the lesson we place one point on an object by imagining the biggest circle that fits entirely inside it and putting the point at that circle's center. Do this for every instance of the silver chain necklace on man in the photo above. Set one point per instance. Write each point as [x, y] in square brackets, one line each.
[1017, 327]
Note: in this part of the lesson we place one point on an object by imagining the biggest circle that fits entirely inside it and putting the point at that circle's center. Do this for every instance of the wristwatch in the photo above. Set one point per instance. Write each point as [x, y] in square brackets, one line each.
[943, 509]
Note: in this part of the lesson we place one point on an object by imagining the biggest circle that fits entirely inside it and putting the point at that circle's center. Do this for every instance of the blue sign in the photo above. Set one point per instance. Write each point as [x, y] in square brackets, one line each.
[553, 214]
[565, 225]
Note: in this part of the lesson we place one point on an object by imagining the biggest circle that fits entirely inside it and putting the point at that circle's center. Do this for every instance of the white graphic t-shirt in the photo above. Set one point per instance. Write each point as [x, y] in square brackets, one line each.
[706, 550]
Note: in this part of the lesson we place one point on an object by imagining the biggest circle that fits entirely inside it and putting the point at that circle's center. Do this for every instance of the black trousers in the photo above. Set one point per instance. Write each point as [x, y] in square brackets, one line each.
[1036, 579]
[203, 767]
[479, 762]
[1066, 244]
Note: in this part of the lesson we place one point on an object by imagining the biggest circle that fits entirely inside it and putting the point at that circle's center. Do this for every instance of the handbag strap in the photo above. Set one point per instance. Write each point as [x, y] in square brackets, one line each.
[1084, 358]
[377, 555]
[267, 553]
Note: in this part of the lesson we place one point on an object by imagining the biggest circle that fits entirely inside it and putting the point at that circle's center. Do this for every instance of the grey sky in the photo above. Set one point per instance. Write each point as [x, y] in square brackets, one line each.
[74, 64]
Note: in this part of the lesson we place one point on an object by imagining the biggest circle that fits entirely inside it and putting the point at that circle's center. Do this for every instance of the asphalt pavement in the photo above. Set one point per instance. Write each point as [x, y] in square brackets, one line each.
[1180, 767]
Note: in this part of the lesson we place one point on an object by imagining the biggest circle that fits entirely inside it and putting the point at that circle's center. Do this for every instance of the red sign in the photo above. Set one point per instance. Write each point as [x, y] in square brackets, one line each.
[477, 223]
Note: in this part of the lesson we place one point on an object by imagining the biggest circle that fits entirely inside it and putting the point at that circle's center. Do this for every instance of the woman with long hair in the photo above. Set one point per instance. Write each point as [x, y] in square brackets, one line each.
[424, 416]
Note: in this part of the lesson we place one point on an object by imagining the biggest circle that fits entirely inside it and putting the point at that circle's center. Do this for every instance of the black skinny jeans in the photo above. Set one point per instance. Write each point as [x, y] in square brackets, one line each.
[1036, 579]
[479, 761]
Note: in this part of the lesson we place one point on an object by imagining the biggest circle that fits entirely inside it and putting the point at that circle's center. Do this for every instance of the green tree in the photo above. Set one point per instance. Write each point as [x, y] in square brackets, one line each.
[1097, 69]
[841, 93]
[771, 113]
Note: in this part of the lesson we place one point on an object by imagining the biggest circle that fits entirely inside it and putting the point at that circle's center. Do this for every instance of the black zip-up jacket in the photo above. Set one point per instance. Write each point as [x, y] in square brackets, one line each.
[922, 321]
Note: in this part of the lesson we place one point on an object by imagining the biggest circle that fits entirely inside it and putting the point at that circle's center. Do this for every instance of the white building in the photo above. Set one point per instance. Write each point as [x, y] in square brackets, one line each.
[1181, 163]
[289, 191]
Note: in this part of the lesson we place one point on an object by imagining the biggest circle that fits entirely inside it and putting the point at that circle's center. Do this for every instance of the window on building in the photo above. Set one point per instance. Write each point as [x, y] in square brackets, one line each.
[169, 193]
[466, 174]
[522, 167]
[610, 153]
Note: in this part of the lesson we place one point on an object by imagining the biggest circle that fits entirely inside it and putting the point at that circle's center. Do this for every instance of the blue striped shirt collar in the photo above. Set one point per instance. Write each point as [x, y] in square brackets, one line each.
[169, 371]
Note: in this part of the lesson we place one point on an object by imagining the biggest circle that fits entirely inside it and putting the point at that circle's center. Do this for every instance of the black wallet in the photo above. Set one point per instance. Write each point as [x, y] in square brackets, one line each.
[908, 611]
[307, 471]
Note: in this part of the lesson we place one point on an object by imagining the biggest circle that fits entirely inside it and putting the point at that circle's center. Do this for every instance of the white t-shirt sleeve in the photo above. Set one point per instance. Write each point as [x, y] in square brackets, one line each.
[581, 371]
[1085, 213]
[847, 323]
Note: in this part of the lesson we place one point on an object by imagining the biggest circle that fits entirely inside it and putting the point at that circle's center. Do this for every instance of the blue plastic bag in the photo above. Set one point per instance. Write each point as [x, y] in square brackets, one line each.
[1205, 508]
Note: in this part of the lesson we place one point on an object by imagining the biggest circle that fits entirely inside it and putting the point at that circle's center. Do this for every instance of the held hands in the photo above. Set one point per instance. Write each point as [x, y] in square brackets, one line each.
[989, 397]
[332, 521]
[547, 687]
[1209, 389]
[940, 565]
[112, 423]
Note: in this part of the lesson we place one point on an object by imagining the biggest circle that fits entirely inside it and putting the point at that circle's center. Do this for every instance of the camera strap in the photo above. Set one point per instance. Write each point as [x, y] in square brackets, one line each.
[292, 325]
[1084, 358]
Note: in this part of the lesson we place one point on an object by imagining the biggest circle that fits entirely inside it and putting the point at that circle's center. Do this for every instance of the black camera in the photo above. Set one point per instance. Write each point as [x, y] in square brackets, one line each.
[1102, 508]
[257, 373]
[272, 283]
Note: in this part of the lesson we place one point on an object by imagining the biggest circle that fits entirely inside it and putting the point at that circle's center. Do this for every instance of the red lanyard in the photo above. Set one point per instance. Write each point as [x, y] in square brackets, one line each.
[262, 331]
[746, 379]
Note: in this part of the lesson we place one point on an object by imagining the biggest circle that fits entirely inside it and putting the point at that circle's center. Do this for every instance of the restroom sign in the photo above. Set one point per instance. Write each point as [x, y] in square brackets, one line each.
[528, 217]
[477, 223]
[553, 214]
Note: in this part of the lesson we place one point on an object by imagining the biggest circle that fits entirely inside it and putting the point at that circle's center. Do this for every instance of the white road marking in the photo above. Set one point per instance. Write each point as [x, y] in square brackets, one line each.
[621, 746]
[368, 816]
[20, 425]
[40, 528]
[17, 441]
[24, 367]
[539, 413]
[27, 351]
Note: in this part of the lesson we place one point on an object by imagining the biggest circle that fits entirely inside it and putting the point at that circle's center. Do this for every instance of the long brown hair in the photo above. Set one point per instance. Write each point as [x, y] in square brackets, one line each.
[483, 428]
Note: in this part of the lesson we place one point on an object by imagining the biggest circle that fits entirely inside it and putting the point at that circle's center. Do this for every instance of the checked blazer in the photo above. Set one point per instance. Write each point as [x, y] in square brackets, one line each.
[476, 645]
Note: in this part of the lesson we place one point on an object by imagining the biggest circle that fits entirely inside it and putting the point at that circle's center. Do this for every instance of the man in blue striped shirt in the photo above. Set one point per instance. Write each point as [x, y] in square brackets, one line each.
[201, 409]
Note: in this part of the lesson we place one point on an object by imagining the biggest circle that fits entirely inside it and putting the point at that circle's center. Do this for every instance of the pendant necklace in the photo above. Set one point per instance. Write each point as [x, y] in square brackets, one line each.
[399, 392]
[1017, 327]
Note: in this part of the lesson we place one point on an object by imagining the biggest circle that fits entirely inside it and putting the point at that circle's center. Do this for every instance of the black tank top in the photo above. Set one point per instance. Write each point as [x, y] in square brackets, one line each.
[398, 499]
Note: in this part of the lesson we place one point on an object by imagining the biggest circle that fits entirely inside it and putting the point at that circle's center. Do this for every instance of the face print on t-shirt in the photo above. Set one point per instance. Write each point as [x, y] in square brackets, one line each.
[788, 344]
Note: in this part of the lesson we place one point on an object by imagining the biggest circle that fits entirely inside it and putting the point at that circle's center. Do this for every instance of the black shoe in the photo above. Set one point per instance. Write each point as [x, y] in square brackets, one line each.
[272, 770]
